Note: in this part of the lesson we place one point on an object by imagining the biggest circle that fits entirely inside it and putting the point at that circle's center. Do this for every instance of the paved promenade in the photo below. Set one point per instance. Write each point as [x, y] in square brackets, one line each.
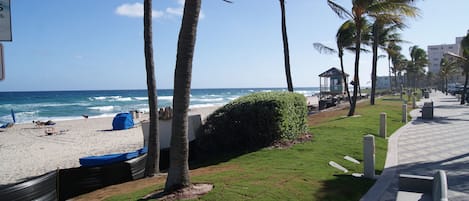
[422, 147]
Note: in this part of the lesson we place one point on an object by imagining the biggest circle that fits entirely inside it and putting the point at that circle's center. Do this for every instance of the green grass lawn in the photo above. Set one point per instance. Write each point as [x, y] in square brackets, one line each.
[302, 171]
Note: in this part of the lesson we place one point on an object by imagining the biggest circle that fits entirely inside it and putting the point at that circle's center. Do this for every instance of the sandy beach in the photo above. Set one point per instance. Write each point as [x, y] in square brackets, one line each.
[26, 150]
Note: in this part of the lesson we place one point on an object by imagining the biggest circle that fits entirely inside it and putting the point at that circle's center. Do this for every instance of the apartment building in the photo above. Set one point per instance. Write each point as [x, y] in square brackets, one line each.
[436, 52]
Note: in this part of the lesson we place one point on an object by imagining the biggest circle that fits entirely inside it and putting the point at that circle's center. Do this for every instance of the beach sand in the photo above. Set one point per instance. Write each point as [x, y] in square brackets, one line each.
[27, 151]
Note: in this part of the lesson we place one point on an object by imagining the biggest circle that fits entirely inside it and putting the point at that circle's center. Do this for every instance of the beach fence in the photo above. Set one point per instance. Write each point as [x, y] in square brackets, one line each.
[63, 184]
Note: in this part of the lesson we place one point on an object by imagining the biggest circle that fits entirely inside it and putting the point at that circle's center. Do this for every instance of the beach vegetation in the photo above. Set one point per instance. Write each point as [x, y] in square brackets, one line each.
[152, 166]
[254, 121]
[300, 172]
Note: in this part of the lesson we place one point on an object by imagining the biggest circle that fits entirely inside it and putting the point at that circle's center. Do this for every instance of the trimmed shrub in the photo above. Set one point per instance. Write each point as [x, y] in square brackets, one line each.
[254, 121]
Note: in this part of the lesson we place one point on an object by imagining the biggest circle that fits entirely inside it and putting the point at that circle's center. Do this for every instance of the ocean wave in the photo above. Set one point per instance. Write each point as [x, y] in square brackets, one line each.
[205, 105]
[123, 99]
[141, 98]
[165, 97]
[102, 108]
[207, 99]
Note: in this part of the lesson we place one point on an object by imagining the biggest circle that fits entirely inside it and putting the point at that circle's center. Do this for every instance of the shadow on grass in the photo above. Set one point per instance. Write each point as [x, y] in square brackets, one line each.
[344, 187]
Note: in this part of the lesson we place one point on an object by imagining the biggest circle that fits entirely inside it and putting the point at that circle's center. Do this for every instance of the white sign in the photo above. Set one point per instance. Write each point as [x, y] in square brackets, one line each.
[5, 20]
[2, 66]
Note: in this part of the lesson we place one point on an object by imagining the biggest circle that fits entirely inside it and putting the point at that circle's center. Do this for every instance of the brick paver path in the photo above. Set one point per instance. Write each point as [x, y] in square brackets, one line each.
[425, 146]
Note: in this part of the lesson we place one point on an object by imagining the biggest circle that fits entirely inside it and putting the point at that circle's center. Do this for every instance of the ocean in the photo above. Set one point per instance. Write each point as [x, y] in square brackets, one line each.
[68, 105]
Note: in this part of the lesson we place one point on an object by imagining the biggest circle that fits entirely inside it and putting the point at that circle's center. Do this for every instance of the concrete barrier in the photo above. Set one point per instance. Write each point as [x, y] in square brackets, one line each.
[194, 122]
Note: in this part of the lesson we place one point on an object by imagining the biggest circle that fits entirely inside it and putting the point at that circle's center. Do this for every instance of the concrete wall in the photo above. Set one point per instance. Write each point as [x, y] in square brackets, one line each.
[165, 130]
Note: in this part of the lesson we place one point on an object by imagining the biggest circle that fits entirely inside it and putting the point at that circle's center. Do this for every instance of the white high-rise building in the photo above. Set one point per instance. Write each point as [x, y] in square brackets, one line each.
[436, 52]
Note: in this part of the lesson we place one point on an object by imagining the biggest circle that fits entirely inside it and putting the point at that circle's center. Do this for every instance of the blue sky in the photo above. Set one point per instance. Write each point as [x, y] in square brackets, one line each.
[98, 44]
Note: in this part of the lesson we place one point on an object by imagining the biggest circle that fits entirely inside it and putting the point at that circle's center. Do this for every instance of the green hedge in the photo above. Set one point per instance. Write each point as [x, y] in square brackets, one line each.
[254, 121]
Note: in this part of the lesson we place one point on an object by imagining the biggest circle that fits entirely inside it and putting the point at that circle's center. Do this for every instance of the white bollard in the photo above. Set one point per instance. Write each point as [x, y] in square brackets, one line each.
[404, 113]
[369, 156]
[382, 125]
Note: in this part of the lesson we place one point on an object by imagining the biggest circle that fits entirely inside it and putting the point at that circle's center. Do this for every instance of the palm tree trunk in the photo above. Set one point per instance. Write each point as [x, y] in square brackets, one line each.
[178, 173]
[344, 78]
[286, 51]
[356, 70]
[374, 63]
[446, 85]
[152, 164]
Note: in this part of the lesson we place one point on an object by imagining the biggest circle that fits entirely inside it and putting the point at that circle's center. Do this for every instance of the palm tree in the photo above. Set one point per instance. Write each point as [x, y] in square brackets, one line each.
[463, 61]
[360, 10]
[417, 62]
[448, 67]
[286, 51]
[153, 155]
[178, 173]
[344, 40]
[385, 23]
[393, 50]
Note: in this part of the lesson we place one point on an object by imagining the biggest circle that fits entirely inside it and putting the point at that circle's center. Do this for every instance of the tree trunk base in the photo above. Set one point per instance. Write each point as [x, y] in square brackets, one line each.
[192, 192]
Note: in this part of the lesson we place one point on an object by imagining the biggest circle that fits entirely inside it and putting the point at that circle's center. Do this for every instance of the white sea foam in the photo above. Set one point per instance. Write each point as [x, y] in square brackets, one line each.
[205, 105]
[207, 99]
[165, 97]
[102, 108]
[141, 98]
[124, 99]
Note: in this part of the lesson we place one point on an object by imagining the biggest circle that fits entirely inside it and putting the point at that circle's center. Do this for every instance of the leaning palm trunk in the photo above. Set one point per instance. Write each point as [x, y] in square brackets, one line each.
[344, 78]
[356, 80]
[374, 63]
[153, 155]
[286, 51]
[178, 173]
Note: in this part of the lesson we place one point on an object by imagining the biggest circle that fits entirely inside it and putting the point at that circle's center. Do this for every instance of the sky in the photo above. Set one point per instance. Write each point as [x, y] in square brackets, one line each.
[98, 44]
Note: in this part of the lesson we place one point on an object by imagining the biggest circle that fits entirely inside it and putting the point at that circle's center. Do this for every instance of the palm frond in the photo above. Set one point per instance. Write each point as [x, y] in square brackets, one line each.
[339, 10]
[324, 49]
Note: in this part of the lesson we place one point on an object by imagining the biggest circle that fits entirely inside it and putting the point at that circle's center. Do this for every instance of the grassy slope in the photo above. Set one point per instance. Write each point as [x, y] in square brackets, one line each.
[302, 172]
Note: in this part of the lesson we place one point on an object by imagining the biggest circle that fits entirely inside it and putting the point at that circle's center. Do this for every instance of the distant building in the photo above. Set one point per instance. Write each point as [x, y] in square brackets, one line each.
[436, 52]
[383, 82]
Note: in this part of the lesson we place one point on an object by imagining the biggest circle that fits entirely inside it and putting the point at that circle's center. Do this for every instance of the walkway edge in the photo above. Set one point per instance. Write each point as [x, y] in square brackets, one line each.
[390, 166]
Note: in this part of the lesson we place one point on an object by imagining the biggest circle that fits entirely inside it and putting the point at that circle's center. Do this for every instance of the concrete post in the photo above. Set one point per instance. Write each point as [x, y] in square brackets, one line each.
[404, 113]
[369, 156]
[382, 125]
[414, 105]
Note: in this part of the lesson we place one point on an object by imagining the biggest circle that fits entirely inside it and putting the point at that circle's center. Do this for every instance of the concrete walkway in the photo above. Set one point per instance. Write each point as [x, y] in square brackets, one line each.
[422, 147]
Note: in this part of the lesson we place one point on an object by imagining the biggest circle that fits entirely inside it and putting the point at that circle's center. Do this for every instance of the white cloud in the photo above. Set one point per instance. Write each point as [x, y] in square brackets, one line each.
[135, 10]
[175, 11]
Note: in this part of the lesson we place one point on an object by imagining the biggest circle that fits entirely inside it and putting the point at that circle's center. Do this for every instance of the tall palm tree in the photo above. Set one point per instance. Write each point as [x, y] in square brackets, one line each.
[384, 31]
[386, 22]
[178, 173]
[416, 64]
[344, 40]
[393, 50]
[360, 10]
[448, 67]
[463, 61]
[286, 51]
[153, 155]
